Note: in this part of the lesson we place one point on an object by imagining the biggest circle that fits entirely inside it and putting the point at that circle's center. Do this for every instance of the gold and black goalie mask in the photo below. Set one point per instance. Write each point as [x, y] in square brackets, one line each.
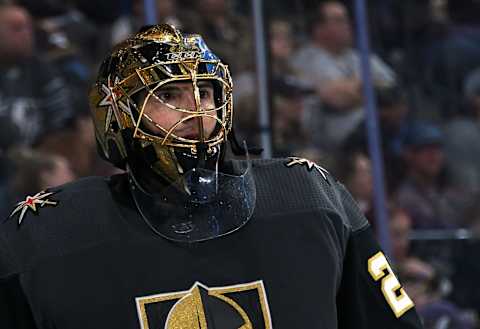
[162, 105]
[166, 93]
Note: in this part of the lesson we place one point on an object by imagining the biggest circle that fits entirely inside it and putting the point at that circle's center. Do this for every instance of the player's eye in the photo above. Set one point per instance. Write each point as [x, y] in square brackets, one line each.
[205, 93]
[164, 96]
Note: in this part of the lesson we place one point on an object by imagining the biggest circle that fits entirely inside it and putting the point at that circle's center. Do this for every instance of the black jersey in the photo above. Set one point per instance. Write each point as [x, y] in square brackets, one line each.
[306, 259]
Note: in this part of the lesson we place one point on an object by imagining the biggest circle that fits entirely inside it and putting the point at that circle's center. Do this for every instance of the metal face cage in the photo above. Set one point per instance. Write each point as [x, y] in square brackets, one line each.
[144, 64]
[176, 71]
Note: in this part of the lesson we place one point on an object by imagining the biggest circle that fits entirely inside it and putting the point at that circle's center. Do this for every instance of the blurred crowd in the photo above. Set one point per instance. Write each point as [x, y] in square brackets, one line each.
[425, 69]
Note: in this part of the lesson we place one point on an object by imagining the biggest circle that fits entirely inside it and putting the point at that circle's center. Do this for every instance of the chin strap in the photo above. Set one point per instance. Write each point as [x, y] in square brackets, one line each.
[239, 149]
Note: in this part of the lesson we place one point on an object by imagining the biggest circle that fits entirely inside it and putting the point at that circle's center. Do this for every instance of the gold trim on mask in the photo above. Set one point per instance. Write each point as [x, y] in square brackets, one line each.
[128, 72]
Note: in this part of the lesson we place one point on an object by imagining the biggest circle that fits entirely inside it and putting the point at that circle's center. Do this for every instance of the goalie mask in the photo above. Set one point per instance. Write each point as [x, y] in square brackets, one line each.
[162, 107]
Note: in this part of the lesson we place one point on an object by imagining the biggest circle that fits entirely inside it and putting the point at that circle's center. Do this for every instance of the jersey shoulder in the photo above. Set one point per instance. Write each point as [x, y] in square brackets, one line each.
[55, 201]
[54, 222]
[297, 184]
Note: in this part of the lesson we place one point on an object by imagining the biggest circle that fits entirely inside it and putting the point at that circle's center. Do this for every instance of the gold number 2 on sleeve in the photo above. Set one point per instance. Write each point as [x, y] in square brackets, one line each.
[393, 292]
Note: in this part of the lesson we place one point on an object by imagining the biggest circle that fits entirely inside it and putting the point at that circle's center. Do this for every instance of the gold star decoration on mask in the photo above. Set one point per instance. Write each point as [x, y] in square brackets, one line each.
[112, 95]
[39, 200]
[310, 165]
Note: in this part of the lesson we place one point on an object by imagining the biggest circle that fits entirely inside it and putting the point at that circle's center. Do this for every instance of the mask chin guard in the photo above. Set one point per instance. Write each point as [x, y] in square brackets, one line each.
[203, 204]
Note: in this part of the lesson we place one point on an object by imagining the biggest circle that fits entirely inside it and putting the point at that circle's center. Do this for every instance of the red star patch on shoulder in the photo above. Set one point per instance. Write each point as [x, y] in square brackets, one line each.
[39, 200]
[310, 165]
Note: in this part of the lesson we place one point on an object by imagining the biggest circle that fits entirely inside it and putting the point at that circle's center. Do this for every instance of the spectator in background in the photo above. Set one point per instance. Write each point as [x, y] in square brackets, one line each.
[64, 34]
[449, 54]
[462, 142]
[35, 171]
[285, 111]
[423, 284]
[167, 13]
[68, 40]
[400, 226]
[33, 96]
[289, 93]
[392, 112]
[424, 194]
[127, 24]
[422, 280]
[281, 48]
[246, 125]
[227, 33]
[289, 135]
[331, 65]
[77, 144]
[45, 100]
[355, 171]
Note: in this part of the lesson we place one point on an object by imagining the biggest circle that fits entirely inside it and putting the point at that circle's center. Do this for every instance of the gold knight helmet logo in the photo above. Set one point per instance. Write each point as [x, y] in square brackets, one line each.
[236, 307]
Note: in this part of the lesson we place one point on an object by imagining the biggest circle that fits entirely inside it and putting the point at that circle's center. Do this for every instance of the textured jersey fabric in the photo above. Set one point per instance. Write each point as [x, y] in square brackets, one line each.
[300, 262]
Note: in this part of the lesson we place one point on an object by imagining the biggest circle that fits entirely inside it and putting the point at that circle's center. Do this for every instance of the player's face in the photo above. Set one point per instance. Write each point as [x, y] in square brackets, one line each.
[181, 96]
